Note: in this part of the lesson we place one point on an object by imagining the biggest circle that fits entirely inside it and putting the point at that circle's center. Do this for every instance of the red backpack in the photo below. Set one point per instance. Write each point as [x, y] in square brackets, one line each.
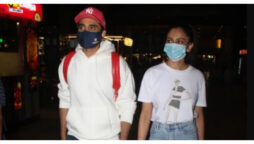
[115, 70]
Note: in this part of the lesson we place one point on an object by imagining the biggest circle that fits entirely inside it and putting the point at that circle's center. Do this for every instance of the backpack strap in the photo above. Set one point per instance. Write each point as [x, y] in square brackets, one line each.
[67, 61]
[115, 72]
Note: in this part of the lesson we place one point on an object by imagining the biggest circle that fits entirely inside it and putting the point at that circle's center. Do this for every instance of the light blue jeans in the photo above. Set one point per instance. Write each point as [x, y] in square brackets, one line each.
[177, 131]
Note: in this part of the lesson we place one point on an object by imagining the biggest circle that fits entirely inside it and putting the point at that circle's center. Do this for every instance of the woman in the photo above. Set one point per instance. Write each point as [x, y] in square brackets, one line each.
[173, 93]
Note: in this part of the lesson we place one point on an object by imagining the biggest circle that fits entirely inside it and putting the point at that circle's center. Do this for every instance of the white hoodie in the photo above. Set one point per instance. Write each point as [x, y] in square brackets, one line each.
[89, 96]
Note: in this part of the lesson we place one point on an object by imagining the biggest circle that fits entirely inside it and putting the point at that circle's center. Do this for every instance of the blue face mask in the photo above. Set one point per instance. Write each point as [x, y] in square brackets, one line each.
[175, 51]
[89, 39]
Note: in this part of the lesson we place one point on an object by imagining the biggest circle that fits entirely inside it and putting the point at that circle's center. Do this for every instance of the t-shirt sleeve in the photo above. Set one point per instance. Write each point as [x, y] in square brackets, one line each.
[201, 101]
[145, 94]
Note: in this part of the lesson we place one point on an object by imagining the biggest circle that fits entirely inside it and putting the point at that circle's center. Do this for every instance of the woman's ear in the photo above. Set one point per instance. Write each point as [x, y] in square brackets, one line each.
[189, 47]
[103, 33]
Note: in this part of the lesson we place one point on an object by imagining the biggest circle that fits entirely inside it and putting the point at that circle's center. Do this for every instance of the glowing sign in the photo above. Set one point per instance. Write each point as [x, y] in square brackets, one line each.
[26, 11]
[32, 49]
[29, 6]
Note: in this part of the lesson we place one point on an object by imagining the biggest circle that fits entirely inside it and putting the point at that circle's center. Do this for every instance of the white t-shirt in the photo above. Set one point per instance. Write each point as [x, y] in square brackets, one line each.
[173, 93]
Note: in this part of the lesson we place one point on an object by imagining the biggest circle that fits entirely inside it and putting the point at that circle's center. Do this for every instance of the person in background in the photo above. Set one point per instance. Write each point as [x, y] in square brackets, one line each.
[173, 93]
[2, 104]
[88, 109]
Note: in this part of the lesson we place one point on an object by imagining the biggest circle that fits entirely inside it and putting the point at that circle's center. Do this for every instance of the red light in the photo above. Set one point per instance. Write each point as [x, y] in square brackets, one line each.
[17, 96]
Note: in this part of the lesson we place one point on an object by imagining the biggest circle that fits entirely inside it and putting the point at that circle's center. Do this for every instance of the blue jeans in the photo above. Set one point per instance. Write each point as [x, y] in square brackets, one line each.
[70, 137]
[177, 131]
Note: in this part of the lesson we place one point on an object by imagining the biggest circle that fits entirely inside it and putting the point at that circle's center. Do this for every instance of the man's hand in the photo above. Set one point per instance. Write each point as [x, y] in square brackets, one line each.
[63, 113]
[125, 128]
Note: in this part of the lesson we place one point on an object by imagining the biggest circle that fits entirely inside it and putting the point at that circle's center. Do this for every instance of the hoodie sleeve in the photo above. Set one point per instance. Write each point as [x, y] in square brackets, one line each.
[63, 89]
[126, 101]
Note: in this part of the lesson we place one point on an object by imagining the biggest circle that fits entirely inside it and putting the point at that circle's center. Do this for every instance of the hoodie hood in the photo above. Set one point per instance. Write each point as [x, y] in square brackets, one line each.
[106, 47]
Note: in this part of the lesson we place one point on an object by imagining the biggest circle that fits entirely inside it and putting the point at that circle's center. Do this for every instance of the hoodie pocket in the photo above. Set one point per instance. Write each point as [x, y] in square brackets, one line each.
[91, 123]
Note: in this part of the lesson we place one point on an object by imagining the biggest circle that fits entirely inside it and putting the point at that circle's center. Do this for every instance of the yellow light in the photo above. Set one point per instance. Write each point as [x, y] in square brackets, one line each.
[218, 43]
[71, 36]
[157, 57]
[18, 84]
[128, 41]
[113, 37]
[34, 77]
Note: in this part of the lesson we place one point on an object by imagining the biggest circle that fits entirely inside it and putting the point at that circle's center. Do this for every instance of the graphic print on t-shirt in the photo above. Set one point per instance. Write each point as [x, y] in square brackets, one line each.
[176, 97]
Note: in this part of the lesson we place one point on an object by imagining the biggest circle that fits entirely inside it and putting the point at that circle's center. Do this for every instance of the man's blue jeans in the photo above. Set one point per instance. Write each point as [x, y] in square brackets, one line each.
[70, 137]
[177, 131]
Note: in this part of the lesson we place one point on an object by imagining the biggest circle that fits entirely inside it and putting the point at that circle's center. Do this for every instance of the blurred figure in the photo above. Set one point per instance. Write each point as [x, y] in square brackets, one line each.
[43, 87]
[88, 107]
[173, 93]
[2, 104]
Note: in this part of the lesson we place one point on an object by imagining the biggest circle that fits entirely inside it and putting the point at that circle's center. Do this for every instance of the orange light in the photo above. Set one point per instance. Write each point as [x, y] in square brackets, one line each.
[243, 52]
[218, 43]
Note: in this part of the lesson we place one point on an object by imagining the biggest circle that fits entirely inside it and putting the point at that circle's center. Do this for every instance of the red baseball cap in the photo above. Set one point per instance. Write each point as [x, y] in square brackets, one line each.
[92, 13]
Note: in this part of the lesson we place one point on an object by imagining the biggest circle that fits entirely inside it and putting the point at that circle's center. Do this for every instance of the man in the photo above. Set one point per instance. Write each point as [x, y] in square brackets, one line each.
[2, 103]
[88, 109]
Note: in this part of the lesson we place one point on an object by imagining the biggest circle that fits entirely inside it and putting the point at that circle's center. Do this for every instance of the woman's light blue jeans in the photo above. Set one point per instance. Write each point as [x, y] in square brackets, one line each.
[177, 131]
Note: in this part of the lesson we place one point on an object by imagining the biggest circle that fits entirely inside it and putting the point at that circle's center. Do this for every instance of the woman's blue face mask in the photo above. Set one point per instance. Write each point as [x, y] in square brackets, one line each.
[175, 51]
[89, 39]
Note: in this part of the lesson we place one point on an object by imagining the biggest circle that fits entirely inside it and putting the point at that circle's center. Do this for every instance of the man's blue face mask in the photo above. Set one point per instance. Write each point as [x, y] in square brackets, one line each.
[175, 51]
[89, 39]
